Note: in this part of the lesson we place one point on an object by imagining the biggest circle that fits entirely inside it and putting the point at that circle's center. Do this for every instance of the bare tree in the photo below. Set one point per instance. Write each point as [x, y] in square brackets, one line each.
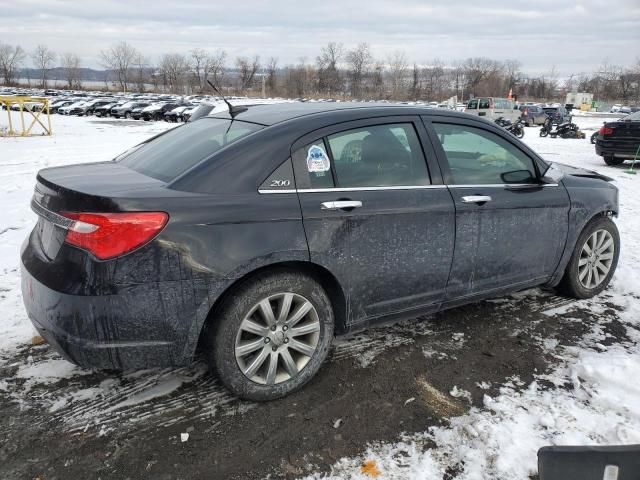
[119, 59]
[173, 67]
[215, 68]
[42, 59]
[247, 71]
[11, 59]
[272, 70]
[329, 78]
[435, 80]
[398, 68]
[199, 61]
[71, 66]
[378, 89]
[513, 75]
[477, 71]
[359, 60]
[141, 67]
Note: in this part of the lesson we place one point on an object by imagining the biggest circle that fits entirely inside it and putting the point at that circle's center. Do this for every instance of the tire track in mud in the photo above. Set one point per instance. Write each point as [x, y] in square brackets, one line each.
[99, 402]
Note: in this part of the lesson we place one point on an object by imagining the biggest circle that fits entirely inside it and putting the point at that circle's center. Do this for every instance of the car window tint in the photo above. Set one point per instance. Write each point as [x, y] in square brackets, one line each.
[379, 156]
[480, 157]
[473, 104]
[483, 103]
[173, 153]
[312, 166]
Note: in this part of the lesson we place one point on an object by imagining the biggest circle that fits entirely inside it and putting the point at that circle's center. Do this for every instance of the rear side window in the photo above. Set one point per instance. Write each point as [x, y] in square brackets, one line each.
[170, 155]
[312, 166]
[378, 156]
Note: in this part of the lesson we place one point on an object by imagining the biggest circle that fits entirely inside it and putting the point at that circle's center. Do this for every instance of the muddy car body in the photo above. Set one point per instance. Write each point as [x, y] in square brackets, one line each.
[267, 232]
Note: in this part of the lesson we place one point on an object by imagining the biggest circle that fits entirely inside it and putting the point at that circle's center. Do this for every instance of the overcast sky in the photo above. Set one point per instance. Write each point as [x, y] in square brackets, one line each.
[575, 36]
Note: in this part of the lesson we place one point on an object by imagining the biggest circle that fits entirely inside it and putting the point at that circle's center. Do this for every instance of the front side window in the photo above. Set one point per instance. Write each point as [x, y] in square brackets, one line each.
[173, 153]
[480, 157]
[484, 103]
[378, 156]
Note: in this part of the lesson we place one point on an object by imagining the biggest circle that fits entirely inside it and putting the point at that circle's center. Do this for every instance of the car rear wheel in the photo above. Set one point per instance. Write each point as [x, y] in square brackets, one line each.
[127, 115]
[611, 160]
[593, 261]
[271, 335]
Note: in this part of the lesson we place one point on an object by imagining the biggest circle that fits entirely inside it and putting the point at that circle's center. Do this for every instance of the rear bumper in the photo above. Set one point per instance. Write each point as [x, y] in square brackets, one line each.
[620, 149]
[121, 331]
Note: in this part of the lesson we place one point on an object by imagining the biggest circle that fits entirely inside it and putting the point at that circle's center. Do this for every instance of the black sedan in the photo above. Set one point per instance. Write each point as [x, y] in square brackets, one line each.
[257, 235]
[619, 140]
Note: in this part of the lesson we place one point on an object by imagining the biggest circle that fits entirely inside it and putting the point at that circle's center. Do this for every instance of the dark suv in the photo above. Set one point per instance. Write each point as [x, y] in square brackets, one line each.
[257, 236]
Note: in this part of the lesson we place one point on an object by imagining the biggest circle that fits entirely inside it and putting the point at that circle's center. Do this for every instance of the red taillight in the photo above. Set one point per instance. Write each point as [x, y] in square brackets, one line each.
[109, 235]
[604, 130]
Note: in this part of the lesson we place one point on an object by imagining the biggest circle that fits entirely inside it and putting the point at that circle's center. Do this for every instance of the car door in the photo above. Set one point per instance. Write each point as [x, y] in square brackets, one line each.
[510, 227]
[375, 215]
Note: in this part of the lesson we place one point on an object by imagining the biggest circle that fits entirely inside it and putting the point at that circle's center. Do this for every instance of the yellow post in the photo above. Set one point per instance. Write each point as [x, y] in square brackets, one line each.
[25, 104]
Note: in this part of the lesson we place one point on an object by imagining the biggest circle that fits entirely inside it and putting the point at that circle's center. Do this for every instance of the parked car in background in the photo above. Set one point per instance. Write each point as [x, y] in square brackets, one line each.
[89, 108]
[136, 113]
[175, 115]
[532, 115]
[103, 110]
[157, 111]
[619, 140]
[125, 109]
[201, 236]
[558, 114]
[53, 108]
[66, 110]
[186, 113]
[493, 108]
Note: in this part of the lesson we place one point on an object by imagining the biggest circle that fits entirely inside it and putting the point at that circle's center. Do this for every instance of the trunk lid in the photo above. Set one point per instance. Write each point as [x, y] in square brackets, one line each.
[92, 187]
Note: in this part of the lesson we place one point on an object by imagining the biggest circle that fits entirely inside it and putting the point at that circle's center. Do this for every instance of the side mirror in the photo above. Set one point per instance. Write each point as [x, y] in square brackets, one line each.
[517, 176]
[552, 174]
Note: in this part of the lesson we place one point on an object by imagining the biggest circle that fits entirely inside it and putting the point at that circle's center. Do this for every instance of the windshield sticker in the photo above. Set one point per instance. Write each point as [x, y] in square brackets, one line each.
[317, 160]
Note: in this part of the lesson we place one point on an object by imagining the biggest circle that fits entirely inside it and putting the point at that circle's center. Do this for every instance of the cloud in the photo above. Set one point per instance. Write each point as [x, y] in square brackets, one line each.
[575, 36]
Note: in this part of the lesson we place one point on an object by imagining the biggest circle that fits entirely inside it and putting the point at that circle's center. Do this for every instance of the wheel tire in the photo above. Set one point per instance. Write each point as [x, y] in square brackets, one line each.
[520, 133]
[221, 335]
[544, 132]
[127, 115]
[570, 284]
[611, 160]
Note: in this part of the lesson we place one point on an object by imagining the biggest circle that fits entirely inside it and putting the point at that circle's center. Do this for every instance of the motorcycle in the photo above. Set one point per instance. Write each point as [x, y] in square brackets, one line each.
[517, 128]
[564, 130]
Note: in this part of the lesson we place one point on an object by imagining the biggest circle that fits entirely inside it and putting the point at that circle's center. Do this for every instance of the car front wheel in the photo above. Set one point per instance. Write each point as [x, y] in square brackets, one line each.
[593, 261]
[271, 336]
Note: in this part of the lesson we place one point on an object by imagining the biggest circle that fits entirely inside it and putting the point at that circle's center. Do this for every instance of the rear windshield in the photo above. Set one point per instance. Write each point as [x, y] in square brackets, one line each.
[173, 153]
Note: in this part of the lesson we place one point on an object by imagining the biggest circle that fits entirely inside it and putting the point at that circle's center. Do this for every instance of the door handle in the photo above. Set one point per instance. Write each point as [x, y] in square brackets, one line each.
[341, 205]
[476, 199]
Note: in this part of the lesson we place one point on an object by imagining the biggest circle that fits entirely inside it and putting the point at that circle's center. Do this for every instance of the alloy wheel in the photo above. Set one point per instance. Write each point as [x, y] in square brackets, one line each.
[596, 258]
[277, 338]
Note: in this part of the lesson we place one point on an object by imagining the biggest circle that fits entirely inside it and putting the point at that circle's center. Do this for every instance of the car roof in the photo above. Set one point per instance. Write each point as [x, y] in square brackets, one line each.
[271, 114]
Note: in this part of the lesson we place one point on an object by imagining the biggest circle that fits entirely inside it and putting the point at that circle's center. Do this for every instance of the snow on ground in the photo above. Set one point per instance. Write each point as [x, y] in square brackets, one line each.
[75, 140]
[588, 398]
[593, 398]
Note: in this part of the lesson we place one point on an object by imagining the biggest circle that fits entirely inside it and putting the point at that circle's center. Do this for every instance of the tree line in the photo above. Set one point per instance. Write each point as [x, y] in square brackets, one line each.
[336, 72]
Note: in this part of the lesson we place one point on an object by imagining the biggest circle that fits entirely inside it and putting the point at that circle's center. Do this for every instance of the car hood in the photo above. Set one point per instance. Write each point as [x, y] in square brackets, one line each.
[580, 172]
